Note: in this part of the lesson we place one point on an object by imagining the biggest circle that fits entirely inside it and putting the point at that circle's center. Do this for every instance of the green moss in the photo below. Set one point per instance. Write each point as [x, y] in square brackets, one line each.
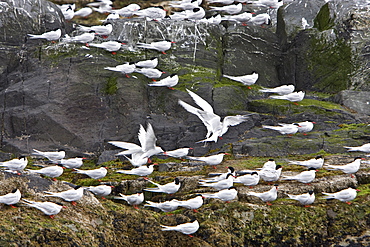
[323, 20]
[331, 63]
[110, 87]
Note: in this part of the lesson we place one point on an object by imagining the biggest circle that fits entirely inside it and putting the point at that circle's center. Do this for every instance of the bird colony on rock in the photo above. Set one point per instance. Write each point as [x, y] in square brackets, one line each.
[221, 185]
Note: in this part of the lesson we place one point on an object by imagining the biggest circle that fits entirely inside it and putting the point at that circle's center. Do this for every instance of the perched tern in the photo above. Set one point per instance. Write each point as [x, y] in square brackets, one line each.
[94, 173]
[247, 80]
[218, 176]
[230, 9]
[316, 162]
[364, 148]
[267, 3]
[160, 46]
[83, 12]
[193, 203]
[220, 185]
[304, 177]
[100, 190]
[215, 19]
[68, 14]
[150, 63]
[305, 199]
[48, 208]
[239, 18]
[128, 10]
[150, 73]
[15, 165]
[169, 188]
[223, 2]
[178, 153]
[267, 196]
[167, 206]
[248, 179]
[11, 198]
[111, 46]
[349, 168]
[140, 171]
[169, 81]
[153, 13]
[225, 195]
[71, 163]
[50, 171]
[212, 160]
[281, 90]
[125, 69]
[195, 14]
[260, 19]
[292, 97]
[185, 5]
[84, 38]
[103, 30]
[270, 164]
[305, 127]
[284, 129]
[52, 156]
[134, 199]
[185, 228]
[271, 175]
[71, 195]
[345, 195]
[50, 36]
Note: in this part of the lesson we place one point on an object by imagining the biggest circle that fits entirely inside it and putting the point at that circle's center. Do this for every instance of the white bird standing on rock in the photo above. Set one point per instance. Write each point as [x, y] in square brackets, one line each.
[261, 19]
[345, 195]
[292, 97]
[195, 14]
[267, 3]
[84, 38]
[305, 199]
[100, 190]
[52, 156]
[230, 9]
[281, 90]
[305, 126]
[270, 164]
[267, 196]
[219, 176]
[71, 163]
[349, 168]
[161, 46]
[11, 198]
[50, 171]
[71, 195]
[225, 195]
[247, 80]
[134, 199]
[49, 208]
[125, 69]
[169, 81]
[248, 179]
[212, 160]
[240, 18]
[284, 129]
[50, 36]
[102, 30]
[154, 13]
[222, 184]
[83, 12]
[364, 148]
[127, 11]
[169, 188]
[147, 140]
[140, 171]
[193, 203]
[111, 46]
[271, 175]
[15, 165]
[149, 63]
[185, 228]
[94, 173]
[186, 5]
[223, 2]
[316, 162]
[178, 153]
[150, 73]
[304, 177]
[167, 206]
